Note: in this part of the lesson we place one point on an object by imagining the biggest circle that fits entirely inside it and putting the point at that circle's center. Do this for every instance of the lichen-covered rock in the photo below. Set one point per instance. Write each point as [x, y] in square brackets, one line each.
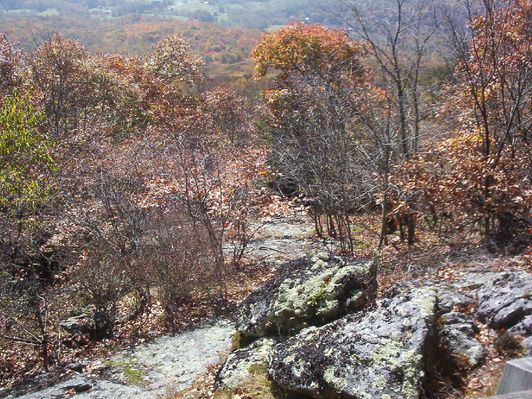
[307, 292]
[147, 371]
[379, 354]
[236, 371]
[457, 334]
[505, 300]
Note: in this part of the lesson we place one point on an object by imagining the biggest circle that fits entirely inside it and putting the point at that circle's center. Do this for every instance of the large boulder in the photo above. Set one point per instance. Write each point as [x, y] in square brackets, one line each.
[504, 301]
[450, 299]
[81, 324]
[379, 354]
[524, 327]
[307, 292]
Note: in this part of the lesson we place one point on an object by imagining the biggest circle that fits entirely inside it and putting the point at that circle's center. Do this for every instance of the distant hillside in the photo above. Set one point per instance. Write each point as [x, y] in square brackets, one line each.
[225, 49]
[221, 31]
[265, 14]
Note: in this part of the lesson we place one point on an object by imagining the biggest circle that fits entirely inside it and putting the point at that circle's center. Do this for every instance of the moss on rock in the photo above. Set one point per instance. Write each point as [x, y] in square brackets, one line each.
[305, 293]
[371, 355]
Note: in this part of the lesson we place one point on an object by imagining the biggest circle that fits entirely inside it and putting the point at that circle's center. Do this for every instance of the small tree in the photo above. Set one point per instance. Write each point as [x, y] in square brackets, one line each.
[26, 164]
[182, 263]
[494, 67]
[314, 107]
[398, 44]
[172, 61]
[58, 75]
[102, 283]
[26, 167]
[477, 181]
[114, 264]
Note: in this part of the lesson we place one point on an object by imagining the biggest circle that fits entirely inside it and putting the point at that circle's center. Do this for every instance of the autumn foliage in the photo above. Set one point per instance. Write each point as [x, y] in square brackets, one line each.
[120, 175]
[123, 178]
[307, 49]
[478, 180]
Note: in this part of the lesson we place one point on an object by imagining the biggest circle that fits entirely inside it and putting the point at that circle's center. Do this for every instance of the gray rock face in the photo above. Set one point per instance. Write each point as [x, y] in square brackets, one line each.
[505, 300]
[85, 387]
[527, 345]
[524, 327]
[307, 292]
[449, 299]
[147, 371]
[475, 278]
[236, 369]
[458, 336]
[379, 354]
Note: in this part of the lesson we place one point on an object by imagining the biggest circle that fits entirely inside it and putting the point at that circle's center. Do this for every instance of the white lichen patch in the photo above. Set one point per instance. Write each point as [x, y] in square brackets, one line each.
[425, 299]
[299, 367]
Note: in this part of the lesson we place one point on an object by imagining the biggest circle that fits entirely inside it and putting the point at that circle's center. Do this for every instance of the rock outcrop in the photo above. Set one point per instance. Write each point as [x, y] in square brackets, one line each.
[305, 293]
[390, 350]
[239, 364]
[379, 354]
[505, 301]
[81, 324]
[145, 372]
[457, 335]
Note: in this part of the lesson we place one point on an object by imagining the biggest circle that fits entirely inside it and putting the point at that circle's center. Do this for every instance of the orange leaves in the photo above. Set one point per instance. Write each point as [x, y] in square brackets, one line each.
[493, 70]
[306, 49]
[317, 67]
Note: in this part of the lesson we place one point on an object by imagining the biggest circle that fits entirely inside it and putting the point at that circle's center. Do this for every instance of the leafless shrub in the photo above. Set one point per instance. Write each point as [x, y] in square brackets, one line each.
[114, 229]
[328, 158]
[24, 313]
[181, 264]
[103, 282]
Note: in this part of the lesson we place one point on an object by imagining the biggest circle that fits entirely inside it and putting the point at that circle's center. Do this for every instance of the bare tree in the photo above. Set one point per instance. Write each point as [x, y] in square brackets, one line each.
[397, 45]
[320, 147]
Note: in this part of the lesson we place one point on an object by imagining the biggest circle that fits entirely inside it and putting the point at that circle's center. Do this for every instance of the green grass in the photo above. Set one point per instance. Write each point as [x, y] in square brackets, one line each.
[132, 375]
